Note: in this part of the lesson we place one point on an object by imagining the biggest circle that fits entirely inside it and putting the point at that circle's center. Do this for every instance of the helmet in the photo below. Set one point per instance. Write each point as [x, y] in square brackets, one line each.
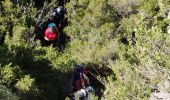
[79, 68]
[59, 9]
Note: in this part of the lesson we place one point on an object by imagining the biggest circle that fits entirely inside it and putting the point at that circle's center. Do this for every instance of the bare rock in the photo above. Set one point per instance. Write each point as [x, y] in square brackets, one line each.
[160, 96]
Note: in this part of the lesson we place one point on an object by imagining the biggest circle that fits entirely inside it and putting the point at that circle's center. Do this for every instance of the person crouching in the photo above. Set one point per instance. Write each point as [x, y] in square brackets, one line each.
[52, 34]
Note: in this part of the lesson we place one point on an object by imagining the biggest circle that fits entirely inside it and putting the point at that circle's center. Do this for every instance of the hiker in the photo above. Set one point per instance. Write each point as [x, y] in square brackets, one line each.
[60, 12]
[51, 34]
[52, 19]
[79, 78]
[57, 17]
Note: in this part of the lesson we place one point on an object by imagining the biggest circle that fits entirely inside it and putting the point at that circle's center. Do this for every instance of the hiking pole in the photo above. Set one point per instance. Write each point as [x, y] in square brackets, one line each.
[97, 79]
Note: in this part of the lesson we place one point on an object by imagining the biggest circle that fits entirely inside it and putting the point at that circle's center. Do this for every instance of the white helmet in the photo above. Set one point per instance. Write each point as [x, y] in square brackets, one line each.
[59, 9]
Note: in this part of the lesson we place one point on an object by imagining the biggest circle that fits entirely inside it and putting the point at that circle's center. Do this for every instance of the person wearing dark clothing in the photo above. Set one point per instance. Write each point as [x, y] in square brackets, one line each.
[60, 15]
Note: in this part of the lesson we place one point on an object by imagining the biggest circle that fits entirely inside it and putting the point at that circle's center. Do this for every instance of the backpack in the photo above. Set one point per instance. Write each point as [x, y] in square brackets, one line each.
[51, 32]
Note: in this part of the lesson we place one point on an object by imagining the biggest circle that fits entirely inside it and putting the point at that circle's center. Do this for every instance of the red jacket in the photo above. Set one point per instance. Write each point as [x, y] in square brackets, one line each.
[51, 34]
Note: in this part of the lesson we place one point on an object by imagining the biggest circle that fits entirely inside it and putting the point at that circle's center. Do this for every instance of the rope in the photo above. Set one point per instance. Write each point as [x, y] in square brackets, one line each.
[97, 79]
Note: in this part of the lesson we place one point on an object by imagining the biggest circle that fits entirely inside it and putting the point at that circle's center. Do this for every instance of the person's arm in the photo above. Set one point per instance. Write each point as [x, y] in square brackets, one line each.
[86, 79]
[60, 23]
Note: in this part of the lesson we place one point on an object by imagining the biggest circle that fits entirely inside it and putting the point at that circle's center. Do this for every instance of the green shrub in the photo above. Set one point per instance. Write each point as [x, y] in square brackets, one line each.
[6, 94]
[27, 85]
[9, 74]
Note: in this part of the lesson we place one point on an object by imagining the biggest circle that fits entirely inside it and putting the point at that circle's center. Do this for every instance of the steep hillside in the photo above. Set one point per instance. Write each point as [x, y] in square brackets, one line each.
[124, 43]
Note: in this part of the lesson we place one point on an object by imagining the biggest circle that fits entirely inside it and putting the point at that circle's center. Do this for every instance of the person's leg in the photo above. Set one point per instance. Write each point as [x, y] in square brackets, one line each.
[58, 44]
[88, 97]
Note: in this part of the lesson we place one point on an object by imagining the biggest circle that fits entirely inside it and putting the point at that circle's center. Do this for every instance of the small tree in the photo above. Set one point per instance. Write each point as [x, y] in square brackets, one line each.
[6, 94]
[26, 86]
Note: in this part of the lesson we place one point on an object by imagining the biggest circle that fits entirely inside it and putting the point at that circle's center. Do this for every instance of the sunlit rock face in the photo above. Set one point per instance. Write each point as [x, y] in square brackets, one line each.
[160, 96]
[168, 30]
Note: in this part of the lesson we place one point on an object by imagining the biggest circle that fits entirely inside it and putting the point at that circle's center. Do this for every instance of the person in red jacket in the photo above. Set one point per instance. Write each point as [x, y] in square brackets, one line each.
[51, 33]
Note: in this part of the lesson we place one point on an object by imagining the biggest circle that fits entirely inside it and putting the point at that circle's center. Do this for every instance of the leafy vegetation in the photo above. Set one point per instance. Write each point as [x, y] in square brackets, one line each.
[127, 36]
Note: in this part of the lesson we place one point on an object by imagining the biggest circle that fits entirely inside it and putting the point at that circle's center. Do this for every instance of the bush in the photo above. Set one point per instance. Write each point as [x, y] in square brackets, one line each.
[9, 74]
[6, 94]
[27, 85]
